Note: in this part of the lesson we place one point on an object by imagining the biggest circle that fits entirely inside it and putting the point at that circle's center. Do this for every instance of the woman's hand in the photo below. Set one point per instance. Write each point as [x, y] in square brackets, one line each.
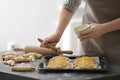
[95, 31]
[51, 40]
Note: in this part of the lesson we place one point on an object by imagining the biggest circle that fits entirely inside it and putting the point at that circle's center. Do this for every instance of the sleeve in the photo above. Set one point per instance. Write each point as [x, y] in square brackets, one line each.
[72, 5]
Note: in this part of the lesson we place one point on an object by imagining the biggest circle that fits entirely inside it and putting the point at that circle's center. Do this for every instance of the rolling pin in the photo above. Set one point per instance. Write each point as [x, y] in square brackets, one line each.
[41, 50]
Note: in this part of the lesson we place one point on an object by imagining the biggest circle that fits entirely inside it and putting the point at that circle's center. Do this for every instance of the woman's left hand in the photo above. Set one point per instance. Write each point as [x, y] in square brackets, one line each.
[95, 31]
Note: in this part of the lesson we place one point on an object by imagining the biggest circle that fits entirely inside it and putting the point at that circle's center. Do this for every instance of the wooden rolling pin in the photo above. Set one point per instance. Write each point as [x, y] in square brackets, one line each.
[41, 50]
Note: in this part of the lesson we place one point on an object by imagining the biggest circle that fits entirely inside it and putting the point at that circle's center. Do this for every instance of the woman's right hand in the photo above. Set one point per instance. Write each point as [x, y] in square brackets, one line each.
[51, 40]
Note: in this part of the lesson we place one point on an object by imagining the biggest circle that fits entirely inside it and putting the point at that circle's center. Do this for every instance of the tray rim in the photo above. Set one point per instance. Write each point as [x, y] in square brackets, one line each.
[102, 69]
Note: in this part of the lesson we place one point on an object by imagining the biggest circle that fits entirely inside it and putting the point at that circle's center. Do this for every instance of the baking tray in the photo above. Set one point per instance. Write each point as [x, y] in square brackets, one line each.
[101, 60]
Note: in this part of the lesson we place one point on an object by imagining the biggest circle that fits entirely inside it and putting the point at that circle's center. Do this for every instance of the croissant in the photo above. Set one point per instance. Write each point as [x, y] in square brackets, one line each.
[23, 68]
[9, 62]
[21, 59]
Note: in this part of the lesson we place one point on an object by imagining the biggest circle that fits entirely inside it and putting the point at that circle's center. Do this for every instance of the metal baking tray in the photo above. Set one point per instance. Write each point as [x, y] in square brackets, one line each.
[101, 60]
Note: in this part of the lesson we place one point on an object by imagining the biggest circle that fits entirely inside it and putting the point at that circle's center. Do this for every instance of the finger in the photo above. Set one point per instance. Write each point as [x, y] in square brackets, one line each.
[92, 24]
[44, 43]
[53, 44]
[84, 33]
[85, 37]
[88, 31]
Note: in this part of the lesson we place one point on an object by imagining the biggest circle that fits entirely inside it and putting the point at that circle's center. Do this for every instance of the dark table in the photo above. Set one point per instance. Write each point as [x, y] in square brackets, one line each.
[7, 74]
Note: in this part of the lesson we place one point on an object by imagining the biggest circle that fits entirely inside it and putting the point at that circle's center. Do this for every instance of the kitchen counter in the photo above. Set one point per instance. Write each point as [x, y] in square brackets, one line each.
[7, 74]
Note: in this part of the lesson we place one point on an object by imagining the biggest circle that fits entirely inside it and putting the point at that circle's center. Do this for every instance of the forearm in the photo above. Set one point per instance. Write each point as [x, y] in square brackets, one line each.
[63, 20]
[111, 26]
